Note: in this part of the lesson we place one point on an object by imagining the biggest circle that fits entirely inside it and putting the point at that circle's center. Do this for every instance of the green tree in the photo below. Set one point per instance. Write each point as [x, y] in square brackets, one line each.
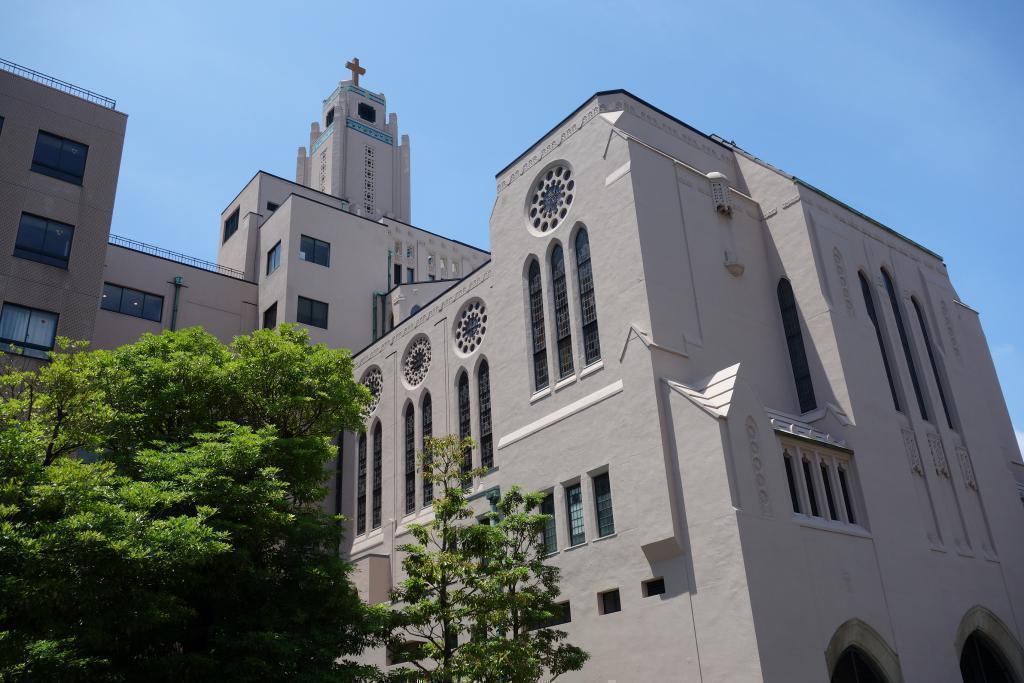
[476, 597]
[160, 513]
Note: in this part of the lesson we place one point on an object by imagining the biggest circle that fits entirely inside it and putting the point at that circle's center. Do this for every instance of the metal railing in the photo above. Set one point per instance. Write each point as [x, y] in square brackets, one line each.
[57, 84]
[135, 245]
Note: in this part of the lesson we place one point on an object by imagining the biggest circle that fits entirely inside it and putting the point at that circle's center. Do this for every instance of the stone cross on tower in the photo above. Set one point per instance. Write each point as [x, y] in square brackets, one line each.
[356, 70]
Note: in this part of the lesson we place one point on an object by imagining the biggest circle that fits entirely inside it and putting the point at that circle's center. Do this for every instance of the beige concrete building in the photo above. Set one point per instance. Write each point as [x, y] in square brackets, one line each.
[771, 432]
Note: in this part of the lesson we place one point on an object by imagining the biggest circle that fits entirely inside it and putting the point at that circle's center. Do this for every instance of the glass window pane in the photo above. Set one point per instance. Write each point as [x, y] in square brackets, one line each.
[31, 233]
[111, 300]
[306, 248]
[603, 499]
[72, 158]
[58, 241]
[47, 150]
[153, 308]
[323, 253]
[574, 503]
[42, 328]
[131, 302]
[550, 538]
[14, 323]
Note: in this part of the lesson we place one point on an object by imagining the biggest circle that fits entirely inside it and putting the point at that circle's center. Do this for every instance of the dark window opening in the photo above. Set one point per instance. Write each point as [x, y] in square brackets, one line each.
[132, 302]
[856, 667]
[932, 361]
[561, 613]
[588, 303]
[611, 602]
[550, 537]
[410, 275]
[794, 495]
[59, 158]
[603, 503]
[574, 506]
[844, 485]
[398, 275]
[827, 482]
[274, 258]
[315, 251]
[894, 302]
[28, 328]
[982, 662]
[361, 487]
[366, 112]
[483, 380]
[428, 431]
[812, 497]
[869, 304]
[312, 313]
[231, 225]
[540, 354]
[270, 317]
[330, 117]
[272, 207]
[378, 472]
[43, 240]
[795, 344]
[464, 425]
[410, 459]
[563, 326]
[654, 587]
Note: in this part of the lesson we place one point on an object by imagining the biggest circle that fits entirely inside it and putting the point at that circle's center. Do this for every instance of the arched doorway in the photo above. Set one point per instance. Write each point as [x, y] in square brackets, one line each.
[854, 666]
[981, 661]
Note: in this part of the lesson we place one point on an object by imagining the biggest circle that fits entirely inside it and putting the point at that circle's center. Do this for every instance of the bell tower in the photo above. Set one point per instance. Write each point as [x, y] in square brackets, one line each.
[355, 152]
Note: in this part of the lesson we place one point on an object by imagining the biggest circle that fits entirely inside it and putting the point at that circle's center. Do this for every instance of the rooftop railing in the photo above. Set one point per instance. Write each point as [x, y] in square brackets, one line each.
[135, 245]
[57, 84]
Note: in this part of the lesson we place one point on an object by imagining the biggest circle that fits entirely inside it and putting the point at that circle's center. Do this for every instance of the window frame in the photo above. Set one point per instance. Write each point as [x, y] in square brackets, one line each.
[465, 416]
[938, 376]
[484, 421]
[24, 343]
[59, 172]
[575, 515]
[610, 601]
[311, 321]
[908, 352]
[538, 341]
[376, 521]
[363, 107]
[426, 432]
[361, 472]
[562, 316]
[231, 224]
[871, 307]
[600, 497]
[41, 255]
[316, 252]
[120, 302]
[590, 337]
[274, 258]
[410, 458]
[792, 329]
[270, 310]
[549, 536]
[832, 487]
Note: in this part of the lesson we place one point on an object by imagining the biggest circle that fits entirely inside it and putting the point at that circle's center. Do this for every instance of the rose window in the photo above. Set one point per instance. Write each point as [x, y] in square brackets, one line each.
[416, 361]
[551, 198]
[470, 327]
[374, 381]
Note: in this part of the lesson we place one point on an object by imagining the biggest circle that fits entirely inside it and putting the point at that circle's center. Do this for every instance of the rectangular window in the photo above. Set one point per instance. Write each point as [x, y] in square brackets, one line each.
[398, 275]
[274, 258]
[603, 503]
[574, 505]
[40, 239]
[312, 312]
[654, 587]
[270, 317]
[366, 112]
[410, 275]
[132, 302]
[611, 602]
[26, 327]
[550, 537]
[231, 225]
[315, 251]
[272, 207]
[60, 158]
[561, 613]
[820, 482]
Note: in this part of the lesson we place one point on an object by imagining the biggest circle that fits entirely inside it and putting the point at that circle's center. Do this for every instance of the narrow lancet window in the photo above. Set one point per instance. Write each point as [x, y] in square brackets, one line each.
[563, 326]
[931, 359]
[588, 304]
[410, 459]
[361, 487]
[464, 420]
[894, 301]
[540, 352]
[869, 304]
[483, 381]
[795, 342]
[378, 470]
[428, 432]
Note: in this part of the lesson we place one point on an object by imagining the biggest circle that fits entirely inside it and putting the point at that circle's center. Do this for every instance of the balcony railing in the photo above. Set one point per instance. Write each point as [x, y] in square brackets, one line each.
[135, 245]
[56, 83]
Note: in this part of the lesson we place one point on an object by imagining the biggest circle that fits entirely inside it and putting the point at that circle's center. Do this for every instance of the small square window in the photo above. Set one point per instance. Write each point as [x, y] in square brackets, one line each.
[366, 112]
[610, 602]
[272, 207]
[654, 587]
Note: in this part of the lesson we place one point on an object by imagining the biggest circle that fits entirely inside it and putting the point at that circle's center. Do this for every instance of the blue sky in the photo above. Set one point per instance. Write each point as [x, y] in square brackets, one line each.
[910, 112]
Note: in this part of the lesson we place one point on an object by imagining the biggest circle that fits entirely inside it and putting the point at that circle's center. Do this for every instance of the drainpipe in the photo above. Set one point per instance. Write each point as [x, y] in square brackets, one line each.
[178, 283]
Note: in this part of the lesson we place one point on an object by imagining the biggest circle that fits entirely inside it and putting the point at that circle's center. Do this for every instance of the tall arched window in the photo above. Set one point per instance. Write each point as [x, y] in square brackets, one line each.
[894, 301]
[931, 359]
[483, 384]
[427, 418]
[464, 419]
[563, 327]
[856, 667]
[361, 486]
[410, 459]
[981, 661]
[588, 304]
[795, 342]
[540, 351]
[378, 470]
[869, 304]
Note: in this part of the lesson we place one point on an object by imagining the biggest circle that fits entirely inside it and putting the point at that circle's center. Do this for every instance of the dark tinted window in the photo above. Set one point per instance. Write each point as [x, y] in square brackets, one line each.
[330, 117]
[540, 354]
[869, 304]
[274, 258]
[464, 423]
[603, 502]
[610, 602]
[855, 667]
[550, 537]
[483, 383]
[231, 225]
[59, 158]
[588, 303]
[44, 240]
[795, 343]
[367, 113]
[654, 587]
[897, 313]
[574, 506]
[272, 207]
[312, 312]
[563, 334]
[270, 317]
[315, 251]
[132, 302]
[398, 274]
[981, 662]
[27, 327]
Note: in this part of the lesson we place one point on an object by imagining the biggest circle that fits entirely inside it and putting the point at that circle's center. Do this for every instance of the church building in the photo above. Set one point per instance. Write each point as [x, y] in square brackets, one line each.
[771, 434]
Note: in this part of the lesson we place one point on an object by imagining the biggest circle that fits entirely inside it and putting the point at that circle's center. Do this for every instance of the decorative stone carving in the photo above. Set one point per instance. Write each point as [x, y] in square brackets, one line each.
[966, 468]
[374, 381]
[837, 256]
[913, 453]
[550, 197]
[938, 455]
[470, 327]
[416, 361]
[758, 465]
